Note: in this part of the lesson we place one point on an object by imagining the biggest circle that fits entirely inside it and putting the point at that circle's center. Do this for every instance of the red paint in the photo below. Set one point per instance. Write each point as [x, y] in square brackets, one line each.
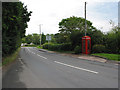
[86, 45]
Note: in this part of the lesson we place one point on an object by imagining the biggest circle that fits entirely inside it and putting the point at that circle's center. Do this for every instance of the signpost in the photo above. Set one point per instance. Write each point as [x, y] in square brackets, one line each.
[48, 38]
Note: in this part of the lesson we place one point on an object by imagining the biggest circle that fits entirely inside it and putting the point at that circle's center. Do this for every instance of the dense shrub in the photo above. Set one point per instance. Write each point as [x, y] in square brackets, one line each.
[98, 48]
[66, 47]
[77, 49]
[51, 46]
[45, 46]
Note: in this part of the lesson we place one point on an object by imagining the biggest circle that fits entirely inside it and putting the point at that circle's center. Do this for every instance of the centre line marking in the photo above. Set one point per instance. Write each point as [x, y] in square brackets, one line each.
[76, 67]
[41, 56]
[37, 54]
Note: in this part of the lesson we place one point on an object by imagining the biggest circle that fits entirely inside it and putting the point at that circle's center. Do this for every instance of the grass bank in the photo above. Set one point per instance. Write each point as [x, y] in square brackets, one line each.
[115, 57]
[8, 59]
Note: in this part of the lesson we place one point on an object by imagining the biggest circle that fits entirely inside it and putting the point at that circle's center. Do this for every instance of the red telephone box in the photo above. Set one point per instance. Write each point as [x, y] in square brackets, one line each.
[86, 45]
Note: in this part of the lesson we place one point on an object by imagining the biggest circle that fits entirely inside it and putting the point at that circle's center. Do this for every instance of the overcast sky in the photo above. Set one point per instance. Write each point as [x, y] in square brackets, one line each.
[50, 12]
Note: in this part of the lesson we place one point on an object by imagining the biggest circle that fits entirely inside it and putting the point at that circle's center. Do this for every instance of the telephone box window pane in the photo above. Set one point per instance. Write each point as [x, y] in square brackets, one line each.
[83, 45]
[88, 45]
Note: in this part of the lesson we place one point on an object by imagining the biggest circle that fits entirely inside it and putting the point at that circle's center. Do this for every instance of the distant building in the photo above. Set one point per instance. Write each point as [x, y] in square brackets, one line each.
[119, 14]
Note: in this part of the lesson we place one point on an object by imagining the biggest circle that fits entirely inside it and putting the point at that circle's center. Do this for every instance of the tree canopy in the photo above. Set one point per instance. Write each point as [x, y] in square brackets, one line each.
[14, 22]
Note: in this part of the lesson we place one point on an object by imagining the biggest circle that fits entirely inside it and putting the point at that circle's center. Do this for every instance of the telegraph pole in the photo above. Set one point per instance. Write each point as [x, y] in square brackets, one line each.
[40, 34]
[85, 20]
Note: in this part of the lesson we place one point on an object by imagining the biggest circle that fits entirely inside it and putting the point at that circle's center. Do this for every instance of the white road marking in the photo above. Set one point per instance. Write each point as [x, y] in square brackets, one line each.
[21, 61]
[41, 56]
[28, 50]
[33, 52]
[76, 67]
[37, 54]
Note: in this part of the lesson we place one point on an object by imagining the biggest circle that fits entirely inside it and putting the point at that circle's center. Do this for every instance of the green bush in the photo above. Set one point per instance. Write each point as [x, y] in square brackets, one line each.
[45, 46]
[77, 49]
[66, 47]
[57, 47]
[98, 48]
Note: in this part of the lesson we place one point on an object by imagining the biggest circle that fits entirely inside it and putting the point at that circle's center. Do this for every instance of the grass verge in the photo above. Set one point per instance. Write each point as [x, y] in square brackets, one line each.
[8, 59]
[115, 57]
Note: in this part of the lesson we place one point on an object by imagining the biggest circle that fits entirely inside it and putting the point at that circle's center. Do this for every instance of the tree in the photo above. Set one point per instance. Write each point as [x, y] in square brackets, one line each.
[36, 39]
[14, 22]
[61, 38]
[74, 23]
[72, 30]
[29, 39]
[43, 39]
[113, 40]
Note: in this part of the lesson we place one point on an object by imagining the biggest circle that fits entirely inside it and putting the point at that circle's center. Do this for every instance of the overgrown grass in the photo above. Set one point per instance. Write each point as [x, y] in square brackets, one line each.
[115, 57]
[8, 59]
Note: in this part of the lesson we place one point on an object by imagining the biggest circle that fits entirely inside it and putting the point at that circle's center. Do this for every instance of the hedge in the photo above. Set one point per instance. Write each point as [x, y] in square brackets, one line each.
[98, 48]
[51, 46]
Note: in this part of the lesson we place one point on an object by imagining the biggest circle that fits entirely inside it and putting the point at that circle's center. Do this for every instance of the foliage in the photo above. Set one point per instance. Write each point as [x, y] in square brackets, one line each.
[97, 48]
[14, 22]
[45, 46]
[97, 37]
[43, 38]
[73, 23]
[36, 39]
[113, 41]
[77, 49]
[72, 30]
[10, 58]
[28, 39]
[57, 47]
[61, 38]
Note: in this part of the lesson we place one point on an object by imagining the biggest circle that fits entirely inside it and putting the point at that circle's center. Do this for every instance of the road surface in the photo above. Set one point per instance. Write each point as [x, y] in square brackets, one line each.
[38, 69]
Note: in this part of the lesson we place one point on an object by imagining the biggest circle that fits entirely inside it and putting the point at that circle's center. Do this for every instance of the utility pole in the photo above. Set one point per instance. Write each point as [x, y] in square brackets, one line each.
[40, 34]
[85, 20]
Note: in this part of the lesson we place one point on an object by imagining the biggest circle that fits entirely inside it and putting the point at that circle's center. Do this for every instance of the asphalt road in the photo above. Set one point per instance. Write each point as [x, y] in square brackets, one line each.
[38, 69]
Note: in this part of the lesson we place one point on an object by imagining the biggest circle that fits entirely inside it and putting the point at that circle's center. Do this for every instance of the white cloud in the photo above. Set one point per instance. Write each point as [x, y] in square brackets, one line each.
[50, 12]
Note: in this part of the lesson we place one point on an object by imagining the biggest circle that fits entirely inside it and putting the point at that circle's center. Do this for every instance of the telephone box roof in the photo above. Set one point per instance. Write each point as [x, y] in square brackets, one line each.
[86, 37]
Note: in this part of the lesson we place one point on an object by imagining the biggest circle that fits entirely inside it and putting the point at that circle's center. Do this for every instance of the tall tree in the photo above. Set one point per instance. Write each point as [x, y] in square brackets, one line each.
[43, 40]
[36, 39]
[29, 39]
[14, 22]
[72, 30]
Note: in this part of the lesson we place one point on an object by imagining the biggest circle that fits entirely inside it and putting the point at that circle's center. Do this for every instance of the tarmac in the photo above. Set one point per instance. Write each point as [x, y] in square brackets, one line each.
[85, 57]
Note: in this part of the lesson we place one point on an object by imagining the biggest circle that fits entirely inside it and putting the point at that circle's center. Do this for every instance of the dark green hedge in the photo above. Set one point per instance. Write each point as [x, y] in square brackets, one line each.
[98, 48]
[14, 22]
[51, 46]
[78, 49]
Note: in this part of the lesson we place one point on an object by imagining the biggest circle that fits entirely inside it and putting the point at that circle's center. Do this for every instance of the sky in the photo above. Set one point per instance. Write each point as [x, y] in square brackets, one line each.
[49, 13]
[119, 14]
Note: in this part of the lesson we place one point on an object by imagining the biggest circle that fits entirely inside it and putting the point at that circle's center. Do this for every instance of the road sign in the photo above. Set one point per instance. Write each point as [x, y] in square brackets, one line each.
[48, 37]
